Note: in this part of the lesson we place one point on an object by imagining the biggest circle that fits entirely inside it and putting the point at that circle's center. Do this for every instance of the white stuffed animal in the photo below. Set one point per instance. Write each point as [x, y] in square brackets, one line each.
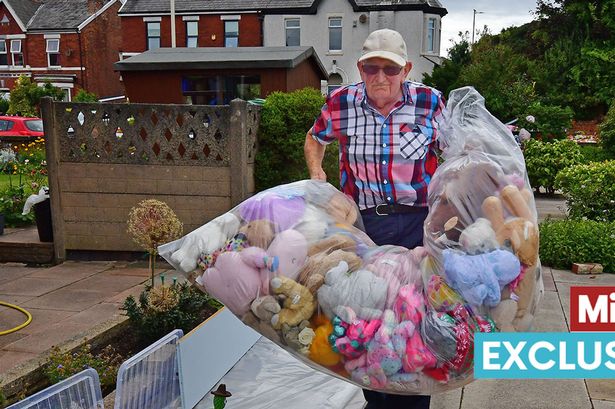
[206, 239]
[479, 237]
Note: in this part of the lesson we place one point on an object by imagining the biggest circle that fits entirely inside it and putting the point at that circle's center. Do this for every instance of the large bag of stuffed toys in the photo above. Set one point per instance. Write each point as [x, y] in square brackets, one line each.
[293, 263]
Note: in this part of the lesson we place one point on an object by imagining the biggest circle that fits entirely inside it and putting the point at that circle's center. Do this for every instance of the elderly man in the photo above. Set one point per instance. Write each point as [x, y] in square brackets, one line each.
[387, 130]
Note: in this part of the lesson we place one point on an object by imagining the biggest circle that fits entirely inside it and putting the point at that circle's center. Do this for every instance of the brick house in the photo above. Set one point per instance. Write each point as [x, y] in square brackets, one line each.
[72, 44]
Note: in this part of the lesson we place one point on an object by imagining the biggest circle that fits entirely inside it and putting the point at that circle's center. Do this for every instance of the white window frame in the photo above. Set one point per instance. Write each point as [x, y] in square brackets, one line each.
[340, 27]
[430, 38]
[297, 28]
[53, 51]
[225, 32]
[195, 37]
[16, 52]
[147, 36]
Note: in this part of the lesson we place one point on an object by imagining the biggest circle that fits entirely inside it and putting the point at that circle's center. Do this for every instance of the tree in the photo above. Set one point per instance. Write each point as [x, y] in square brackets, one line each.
[26, 95]
[85, 96]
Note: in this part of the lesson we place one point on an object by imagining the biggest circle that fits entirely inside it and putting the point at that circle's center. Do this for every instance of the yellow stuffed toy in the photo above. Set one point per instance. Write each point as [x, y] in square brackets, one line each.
[299, 303]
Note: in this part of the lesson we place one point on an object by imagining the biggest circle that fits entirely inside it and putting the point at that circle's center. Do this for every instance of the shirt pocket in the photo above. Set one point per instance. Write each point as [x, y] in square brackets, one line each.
[413, 144]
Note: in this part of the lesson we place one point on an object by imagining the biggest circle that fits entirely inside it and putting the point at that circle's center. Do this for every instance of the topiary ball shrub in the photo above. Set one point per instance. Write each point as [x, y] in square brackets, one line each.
[563, 242]
[545, 159]
[590, 190]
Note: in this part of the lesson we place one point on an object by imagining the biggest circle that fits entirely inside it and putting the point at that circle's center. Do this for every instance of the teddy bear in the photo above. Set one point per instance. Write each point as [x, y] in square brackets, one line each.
[313, 224]
[520, 234]
[479, 237]
[362, 291]
[258, 233]
[299, 303]
[259, 316]
[320, 260]
[480, 278]
[298, 337]
[206, 239]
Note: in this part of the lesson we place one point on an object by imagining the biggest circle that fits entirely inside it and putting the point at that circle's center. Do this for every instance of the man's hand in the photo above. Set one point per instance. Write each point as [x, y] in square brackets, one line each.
[314, 154]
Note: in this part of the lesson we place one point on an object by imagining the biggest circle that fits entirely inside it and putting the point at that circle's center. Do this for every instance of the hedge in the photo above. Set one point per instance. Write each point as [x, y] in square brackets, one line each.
[545, 159]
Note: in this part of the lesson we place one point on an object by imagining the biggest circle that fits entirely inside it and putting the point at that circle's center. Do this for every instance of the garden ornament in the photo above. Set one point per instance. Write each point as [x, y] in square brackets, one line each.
[220, 396]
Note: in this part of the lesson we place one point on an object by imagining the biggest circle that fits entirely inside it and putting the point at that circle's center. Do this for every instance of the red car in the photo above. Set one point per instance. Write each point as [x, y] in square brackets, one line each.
[18, 128]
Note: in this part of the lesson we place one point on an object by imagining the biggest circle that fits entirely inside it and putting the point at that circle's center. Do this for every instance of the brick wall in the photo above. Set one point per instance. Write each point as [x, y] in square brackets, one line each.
[12, 27]
[211, 32]
[97, 174]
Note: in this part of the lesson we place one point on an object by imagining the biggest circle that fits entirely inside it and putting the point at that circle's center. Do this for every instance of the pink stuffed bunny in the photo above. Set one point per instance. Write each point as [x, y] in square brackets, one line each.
[409, 304]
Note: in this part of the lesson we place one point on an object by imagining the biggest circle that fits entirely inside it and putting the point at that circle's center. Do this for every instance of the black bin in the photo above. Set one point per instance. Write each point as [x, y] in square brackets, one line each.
[42, 212]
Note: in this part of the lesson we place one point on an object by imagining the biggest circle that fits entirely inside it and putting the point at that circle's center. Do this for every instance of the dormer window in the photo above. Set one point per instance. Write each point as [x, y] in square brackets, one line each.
[53, 52]
[16, 54]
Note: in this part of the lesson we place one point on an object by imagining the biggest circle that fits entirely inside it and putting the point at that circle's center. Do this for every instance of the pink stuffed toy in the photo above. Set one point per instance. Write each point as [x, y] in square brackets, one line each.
[235, 280]
[381, 360]
[349, 338]
[409, 304]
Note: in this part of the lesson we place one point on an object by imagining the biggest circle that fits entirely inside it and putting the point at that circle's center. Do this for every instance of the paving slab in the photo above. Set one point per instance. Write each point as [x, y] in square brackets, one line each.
[446, 400]
[547, 279]
[94, 315]
[43, 341]
[33, 286]
[601, 389]
[10, 338]
[526, 393]
[10, 359]
[603, 404]
[9, 273]
[110, 284]
[68, 299]
[121, 297]
[41, 319]
[550, 317]
[15, 299]
[567, 276]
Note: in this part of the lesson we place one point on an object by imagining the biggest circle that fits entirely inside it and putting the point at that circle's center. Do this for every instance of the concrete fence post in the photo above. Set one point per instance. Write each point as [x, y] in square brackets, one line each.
[52, 151]
[238, 144]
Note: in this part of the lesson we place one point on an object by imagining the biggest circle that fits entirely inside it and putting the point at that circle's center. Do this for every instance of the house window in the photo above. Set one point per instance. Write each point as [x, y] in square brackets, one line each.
[335, 81]
[192, 33]
[66, 97]
[16, 54]
[153, 34]
[4, 58]
[335, 34]
[53, 52]
[220, 89]
[293, 32]
[431, 35]
[231, 33]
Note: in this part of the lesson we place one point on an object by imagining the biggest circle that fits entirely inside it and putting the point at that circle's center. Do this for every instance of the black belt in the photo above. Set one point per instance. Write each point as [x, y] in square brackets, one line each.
[393, 208]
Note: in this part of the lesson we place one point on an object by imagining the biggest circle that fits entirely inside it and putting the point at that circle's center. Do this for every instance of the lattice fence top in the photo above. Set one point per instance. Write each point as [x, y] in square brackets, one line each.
[148, 134]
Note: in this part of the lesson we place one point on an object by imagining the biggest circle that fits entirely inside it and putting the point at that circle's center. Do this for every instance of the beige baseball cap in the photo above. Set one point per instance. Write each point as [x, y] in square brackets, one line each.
[385, 43]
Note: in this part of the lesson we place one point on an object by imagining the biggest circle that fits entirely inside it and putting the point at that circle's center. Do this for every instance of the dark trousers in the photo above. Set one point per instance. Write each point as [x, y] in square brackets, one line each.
[403, 230]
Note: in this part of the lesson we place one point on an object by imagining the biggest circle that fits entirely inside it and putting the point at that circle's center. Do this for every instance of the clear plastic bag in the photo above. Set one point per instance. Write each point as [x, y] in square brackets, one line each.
[294, 264]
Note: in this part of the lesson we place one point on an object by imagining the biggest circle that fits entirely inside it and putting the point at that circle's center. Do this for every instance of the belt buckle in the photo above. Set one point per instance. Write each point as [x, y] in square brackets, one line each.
[378, 212]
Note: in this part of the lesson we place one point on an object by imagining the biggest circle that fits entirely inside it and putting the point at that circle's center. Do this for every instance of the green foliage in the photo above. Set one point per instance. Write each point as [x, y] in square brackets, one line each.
[593, 153]
[285, 120]
[62, 365]
[12, 200]
[607, 131]
[545, 159]
[551, 122]
[85, 96]
[590, 190]
[26, 95]
[4, 106]
[497, 72]
[162, 309]
[564, 242]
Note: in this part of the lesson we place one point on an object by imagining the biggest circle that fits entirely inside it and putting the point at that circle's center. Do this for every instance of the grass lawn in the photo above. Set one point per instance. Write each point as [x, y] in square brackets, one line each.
[4, 180]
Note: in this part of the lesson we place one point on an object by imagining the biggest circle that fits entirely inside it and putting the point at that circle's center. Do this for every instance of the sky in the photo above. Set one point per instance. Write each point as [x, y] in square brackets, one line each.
[498, 14]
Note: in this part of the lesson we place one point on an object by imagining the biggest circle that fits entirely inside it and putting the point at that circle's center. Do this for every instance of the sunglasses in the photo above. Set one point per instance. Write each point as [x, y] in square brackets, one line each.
[389, 70]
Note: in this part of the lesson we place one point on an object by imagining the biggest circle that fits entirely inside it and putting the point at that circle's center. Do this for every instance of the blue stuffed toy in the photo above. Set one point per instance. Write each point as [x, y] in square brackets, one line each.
[480, 278]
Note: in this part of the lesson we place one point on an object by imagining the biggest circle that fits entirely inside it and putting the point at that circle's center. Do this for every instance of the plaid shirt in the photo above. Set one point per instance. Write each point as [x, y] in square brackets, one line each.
[383, 159]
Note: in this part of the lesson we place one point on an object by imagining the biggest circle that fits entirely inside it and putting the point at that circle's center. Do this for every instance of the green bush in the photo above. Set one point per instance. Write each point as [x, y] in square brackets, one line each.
[84, 96]
[545, 159]
[590, 190]
[162, 309]
[607, 131]
[62, 365]
[564, 242]
[4, 106]
[551, 122]
[285, 119]
[593, 153]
